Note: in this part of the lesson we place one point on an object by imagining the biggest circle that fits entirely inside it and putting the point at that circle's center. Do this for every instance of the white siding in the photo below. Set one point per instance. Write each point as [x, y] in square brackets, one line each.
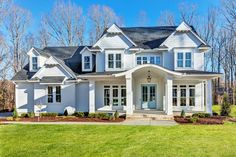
[199, 61]
[52, 71]
[24, 97]
[82, 97]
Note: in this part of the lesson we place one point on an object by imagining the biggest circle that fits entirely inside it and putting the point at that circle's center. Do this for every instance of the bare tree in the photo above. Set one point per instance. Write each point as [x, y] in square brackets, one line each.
[167, 18]
[43, 38]
[101, 18]
[5, 59]
[142, 18]
[16, 26]
[188, 13]
[65, 24]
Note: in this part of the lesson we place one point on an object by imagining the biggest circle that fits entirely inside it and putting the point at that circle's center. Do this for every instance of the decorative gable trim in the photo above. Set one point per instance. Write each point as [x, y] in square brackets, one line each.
[184, 27]
[114, 29]
[52, 61]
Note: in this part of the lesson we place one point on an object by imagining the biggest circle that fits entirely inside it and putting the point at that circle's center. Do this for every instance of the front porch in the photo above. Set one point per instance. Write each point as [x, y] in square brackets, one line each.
[149, 90]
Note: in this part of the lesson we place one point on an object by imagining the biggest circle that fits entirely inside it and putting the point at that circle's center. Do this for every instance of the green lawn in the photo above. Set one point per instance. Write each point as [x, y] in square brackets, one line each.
[216, 108]
[134, 141]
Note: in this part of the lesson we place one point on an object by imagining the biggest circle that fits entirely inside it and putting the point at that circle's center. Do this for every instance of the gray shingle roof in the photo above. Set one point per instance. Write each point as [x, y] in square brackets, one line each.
[197, 72]
[148, 37]
[24, 74]
[52, 79]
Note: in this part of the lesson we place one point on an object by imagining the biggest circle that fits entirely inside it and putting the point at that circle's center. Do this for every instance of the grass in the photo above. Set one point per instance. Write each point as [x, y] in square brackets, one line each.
[216, 108]
[89, 140]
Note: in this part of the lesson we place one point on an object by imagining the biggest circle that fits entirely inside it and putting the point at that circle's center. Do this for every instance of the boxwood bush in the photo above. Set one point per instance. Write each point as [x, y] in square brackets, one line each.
[201, 115]
[79, 114]
[48, 114]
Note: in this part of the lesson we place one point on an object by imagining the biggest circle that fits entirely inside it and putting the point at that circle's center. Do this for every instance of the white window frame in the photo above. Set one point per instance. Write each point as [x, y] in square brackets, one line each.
[114, 61]
[33, 64]
[187, 88]
[184, 59]
[54, 94]
[112, 87]
[87, 62]
[141, 59]
[90, 62]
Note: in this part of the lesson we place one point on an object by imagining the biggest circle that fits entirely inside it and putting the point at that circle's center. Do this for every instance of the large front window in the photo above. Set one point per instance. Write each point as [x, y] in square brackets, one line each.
[183, 95]
[114, 61]
[58, 93]
[54, 91]
[115, 95]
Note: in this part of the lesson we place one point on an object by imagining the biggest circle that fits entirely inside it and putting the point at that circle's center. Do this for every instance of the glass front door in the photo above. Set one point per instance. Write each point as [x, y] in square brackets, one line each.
[148, 96]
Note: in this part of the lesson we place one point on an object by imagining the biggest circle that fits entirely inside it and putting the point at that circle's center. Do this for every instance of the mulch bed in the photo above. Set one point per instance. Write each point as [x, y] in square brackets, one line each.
[65, 119]
[232, 120]
[208, 121]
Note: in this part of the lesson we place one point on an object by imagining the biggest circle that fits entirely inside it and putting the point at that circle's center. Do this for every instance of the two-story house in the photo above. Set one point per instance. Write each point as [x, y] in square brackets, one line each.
[128, 69]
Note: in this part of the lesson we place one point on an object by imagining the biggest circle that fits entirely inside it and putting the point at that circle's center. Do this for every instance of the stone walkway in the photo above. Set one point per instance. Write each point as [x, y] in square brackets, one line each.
[126, 122]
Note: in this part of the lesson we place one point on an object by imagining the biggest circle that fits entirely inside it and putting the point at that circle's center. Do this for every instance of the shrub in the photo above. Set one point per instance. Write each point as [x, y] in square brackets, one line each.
[225, 106]
[193, 119]
[102, 115]
[116, 115]
[15, 114]
[110, 117]
[86, 114]
[24, 115]
[10, 118]
[79, 114]
[65, 112]
[49, 114]
[201, 115]
[182, 114]
[215, 114]
[92, 115]
[31, 114]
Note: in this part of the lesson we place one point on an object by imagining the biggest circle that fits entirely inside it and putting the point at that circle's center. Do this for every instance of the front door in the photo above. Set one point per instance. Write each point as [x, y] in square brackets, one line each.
[149, 96]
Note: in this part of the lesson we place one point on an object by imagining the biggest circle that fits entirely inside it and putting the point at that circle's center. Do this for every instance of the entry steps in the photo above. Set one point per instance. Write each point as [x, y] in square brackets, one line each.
[150, 116]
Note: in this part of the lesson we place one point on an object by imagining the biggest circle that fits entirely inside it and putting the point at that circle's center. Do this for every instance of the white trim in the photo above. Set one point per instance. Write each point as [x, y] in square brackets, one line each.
[147, 66]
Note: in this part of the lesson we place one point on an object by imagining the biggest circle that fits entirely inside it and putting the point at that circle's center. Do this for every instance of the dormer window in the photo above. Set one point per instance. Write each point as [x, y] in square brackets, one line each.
[87, 62]
[184, 59]
[114, 61]
[34, 63]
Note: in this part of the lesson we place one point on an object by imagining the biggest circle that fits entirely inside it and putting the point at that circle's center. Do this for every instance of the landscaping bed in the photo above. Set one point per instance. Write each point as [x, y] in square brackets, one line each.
[62, 119]
[207, 120]
[76, 117]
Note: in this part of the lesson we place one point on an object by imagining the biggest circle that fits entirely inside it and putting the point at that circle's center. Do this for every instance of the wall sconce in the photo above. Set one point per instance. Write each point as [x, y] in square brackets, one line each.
[149, 78]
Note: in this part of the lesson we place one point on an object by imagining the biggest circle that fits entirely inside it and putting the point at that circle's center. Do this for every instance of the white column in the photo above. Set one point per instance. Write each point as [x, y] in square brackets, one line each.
[129, 94]
[209, 96]
[168, 101]
[91, 96]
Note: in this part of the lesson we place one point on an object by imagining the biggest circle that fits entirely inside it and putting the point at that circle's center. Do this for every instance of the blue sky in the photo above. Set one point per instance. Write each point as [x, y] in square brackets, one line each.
[127, 9]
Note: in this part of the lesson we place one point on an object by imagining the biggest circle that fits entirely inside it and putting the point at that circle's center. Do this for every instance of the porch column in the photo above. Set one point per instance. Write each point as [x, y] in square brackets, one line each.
[168, 101]
[209, 96]
[91, 96]
[129, 94]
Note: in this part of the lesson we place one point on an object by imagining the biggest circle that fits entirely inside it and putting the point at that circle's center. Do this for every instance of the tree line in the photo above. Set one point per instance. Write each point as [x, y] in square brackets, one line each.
[66, 24]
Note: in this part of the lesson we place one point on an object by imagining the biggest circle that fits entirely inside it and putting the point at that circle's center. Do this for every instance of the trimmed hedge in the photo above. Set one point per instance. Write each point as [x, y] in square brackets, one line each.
[79, 114]
[201, 115]
[49, 114]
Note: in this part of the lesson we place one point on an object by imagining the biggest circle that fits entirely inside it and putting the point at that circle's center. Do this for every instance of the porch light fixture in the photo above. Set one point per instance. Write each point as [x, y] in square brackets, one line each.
[149, 77]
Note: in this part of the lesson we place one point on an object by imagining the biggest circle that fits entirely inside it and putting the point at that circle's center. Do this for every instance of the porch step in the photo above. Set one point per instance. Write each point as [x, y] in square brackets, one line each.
[142, 116]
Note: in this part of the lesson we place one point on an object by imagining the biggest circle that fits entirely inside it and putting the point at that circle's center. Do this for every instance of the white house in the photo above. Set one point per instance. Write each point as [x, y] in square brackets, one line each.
[128, 69]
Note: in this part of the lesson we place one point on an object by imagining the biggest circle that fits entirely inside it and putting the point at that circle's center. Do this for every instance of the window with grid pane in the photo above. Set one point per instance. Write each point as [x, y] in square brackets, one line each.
[115, 95]
[86, 62]
[180, 58]
[188, 59]
[110, 61]
[50, 94]
[123, 95]
[118, 60]
[106, 95]
[182, 95]
[191, 95]
[174, 96]
[58, 93]
[34, 63]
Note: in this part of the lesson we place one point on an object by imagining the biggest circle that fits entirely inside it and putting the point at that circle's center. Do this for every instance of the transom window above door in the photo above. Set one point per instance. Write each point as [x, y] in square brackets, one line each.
[148, 60]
